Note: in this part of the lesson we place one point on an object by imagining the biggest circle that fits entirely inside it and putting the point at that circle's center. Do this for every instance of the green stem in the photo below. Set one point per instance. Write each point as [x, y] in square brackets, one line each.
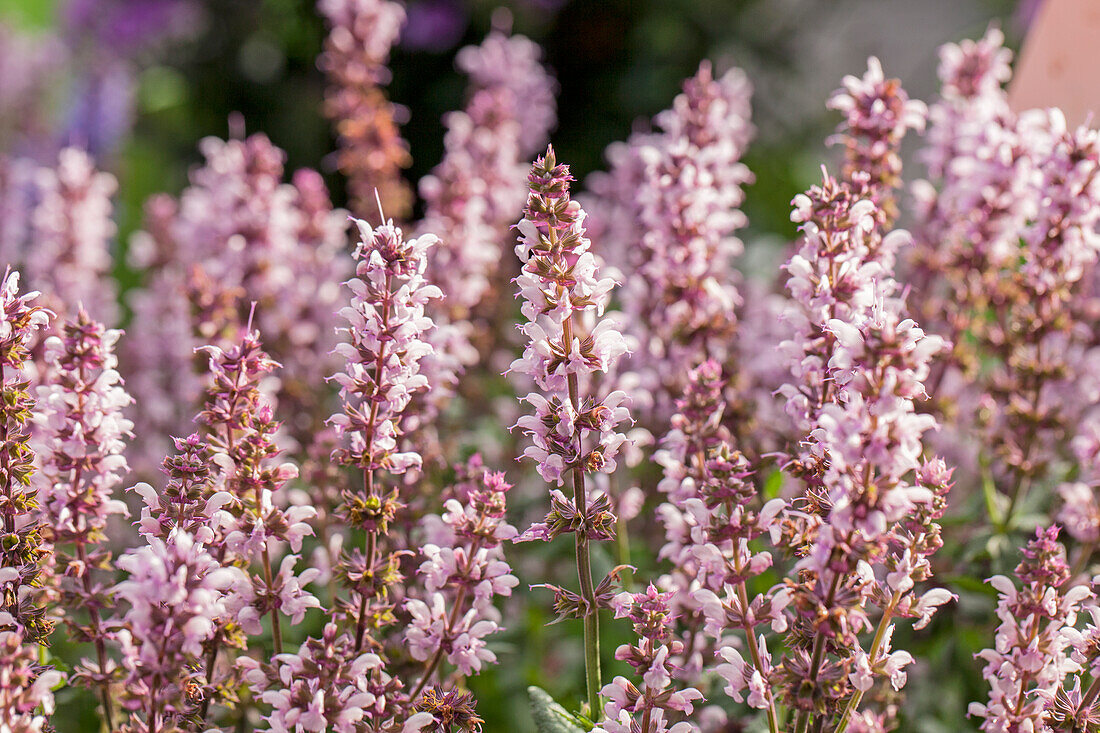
[622, 545]
[276, 632]
[584, 559]
[757, 659]
[588, 589]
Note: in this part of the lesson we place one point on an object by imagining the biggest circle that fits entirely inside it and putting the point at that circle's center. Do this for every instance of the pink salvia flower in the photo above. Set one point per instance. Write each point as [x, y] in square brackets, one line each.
[670, 210]
[708, 525]
[83, 433]
[513, 65]
[188, 501]
[384, 342]
[21, 553]
[242, 430]
[657, 703]
[238, 234]
[324, 687]
[462, 579]
[384, 346]
[68, 254]
[26, 700]
[562, 293]
[858, 368]
[877, 115]
[24, 686]
[372, 153]
[472, 196]
[176, 593]
[573, 428]
[1031, 656]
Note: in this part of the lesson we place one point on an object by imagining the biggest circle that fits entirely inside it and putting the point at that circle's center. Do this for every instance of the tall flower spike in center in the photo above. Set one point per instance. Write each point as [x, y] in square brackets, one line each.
[382, 351]
[572, 430]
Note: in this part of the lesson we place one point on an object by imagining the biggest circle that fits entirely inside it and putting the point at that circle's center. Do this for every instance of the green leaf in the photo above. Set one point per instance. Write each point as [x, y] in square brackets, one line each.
[773, 484]
[550, 717]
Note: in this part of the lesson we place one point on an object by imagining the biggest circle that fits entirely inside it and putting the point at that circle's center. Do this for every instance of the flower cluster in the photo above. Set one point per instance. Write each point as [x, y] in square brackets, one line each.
[242, 431]
[463, 570]
[1030, 659]
[21, 549]
[569, 341]
[877, 115]
[383, 347]
[372, 152]
[1008, 251]
[512, 64]
[26, 697]
[83, 434]
[60, 231]
[675, 235]
[325, 686]
[833, 277]
[709, 522]
[650, 707]
[176, 592]
[864, 455]
[471, 197]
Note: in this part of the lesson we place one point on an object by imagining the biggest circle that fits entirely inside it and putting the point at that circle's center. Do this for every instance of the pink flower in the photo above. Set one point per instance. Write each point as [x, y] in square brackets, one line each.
[322, 687]
[464, 578]
[372, 153]
[26, 697]
[21, 552]
[176, 593]
[561, 288]
[667, 213]
[383, 347]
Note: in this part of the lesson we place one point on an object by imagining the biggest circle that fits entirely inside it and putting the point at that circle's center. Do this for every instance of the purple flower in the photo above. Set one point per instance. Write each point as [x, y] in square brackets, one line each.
[878, 113]
[242, 430]
[569, 341]
[561, 287]
[512, 65]
[82, 435]
[657, 700]
[324, 686]
[68, 251]
[384, 343]
[384, 346]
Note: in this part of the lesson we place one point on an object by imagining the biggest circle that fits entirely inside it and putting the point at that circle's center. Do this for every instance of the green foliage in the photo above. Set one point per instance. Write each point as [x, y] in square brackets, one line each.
[550, 717]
